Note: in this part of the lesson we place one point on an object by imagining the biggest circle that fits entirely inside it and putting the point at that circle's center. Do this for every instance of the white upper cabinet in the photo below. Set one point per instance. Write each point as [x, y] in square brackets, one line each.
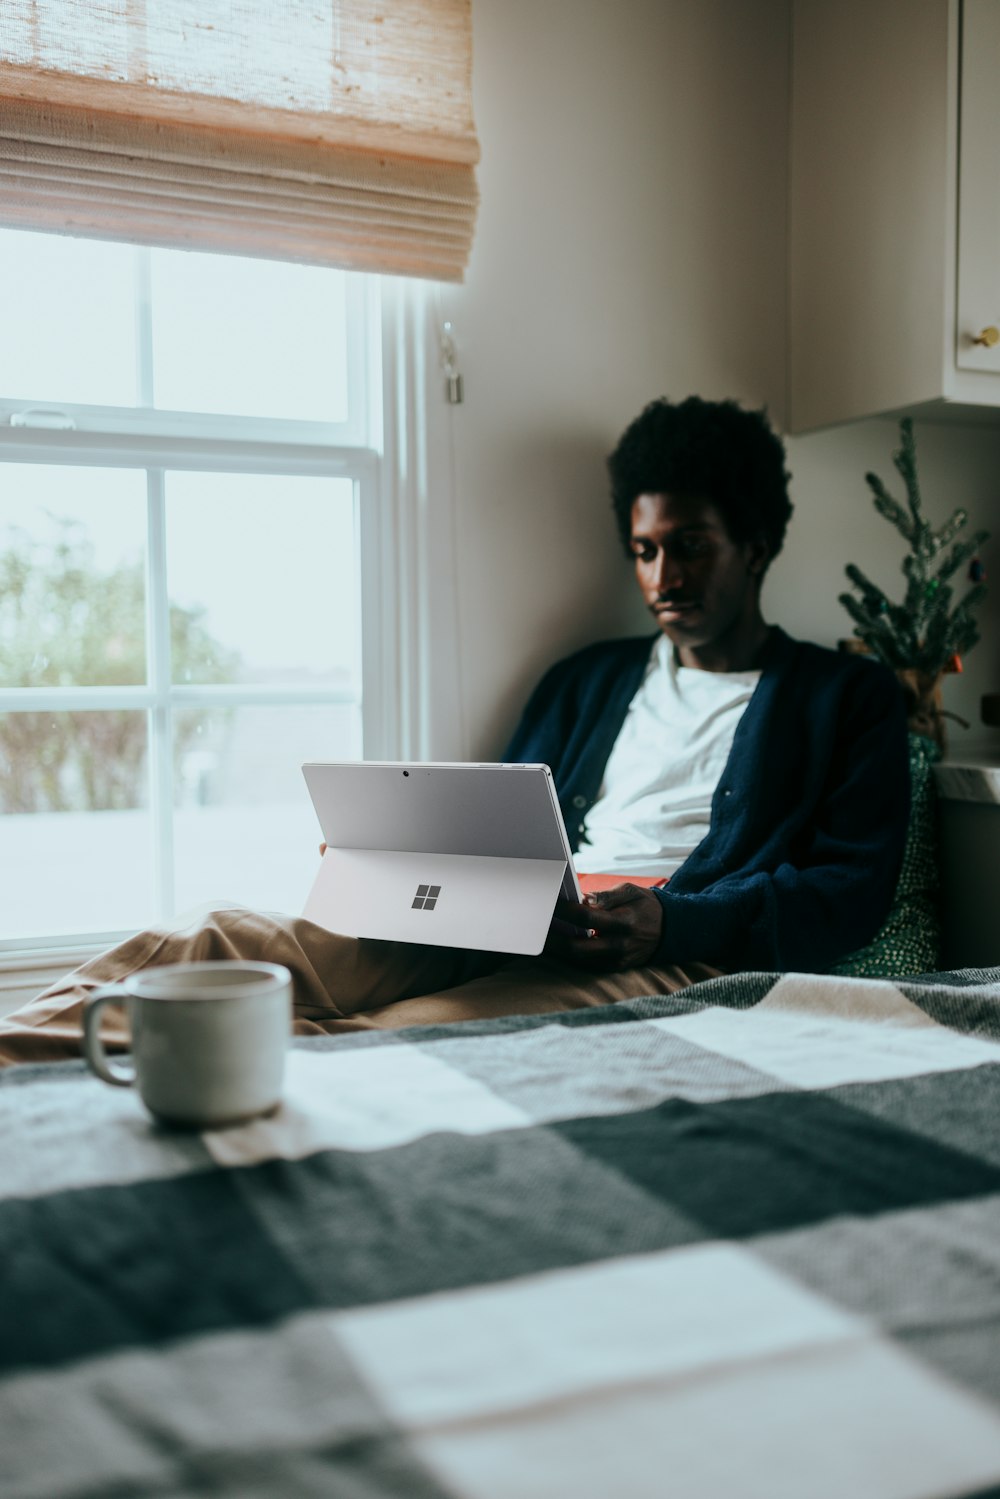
[894, 213]
[979, 190]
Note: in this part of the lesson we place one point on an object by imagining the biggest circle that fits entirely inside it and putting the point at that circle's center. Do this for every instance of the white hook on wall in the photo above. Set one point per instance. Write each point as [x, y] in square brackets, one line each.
[449, 363]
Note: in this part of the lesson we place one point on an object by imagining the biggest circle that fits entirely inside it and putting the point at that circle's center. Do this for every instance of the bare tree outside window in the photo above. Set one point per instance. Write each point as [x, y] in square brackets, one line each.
[67, 622]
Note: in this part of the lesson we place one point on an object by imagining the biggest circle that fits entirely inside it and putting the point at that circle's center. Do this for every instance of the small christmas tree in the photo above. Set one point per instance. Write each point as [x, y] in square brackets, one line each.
[924, 635]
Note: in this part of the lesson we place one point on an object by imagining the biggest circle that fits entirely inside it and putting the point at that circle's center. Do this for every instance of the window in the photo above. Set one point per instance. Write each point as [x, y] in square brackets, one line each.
[190, 542]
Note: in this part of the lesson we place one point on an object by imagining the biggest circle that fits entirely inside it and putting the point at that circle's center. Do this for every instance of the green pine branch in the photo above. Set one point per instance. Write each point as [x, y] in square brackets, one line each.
[962, 552]
[876, 633]
[927, 628]
[872, 595]
[890, 508]
[950, 529]
[906, 462]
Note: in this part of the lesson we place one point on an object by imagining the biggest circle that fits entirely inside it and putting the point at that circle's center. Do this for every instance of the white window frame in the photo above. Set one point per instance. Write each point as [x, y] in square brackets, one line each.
[401, 465]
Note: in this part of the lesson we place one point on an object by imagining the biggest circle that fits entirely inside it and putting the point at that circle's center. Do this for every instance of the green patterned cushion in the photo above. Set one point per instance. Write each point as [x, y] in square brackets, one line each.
[910, 941]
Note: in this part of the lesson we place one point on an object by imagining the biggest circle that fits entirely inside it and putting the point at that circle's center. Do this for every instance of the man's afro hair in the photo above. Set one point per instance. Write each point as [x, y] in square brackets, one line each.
[712, 450]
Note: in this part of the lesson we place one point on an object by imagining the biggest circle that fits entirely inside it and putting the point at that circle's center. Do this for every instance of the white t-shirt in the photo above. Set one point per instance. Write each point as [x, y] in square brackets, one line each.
[654, 804]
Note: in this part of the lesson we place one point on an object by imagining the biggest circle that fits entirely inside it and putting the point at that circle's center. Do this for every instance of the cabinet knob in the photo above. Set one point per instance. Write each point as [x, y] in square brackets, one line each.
[989, 337]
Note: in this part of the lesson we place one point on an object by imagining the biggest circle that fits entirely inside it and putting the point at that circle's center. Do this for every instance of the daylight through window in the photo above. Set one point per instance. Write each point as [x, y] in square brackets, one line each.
[187, 459]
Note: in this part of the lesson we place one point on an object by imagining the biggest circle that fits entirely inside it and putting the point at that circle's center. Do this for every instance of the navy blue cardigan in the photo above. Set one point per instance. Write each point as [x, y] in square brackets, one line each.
[809, 819]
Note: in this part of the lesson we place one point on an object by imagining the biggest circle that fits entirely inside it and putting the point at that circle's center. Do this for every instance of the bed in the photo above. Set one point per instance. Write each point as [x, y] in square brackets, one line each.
[739, 1241]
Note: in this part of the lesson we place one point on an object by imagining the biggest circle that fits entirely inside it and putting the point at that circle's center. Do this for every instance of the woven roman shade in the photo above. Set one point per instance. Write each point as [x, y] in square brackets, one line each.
[337, 132]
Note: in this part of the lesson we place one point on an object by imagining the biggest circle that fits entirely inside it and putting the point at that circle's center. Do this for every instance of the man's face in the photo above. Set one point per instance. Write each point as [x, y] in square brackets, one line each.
[700, 585]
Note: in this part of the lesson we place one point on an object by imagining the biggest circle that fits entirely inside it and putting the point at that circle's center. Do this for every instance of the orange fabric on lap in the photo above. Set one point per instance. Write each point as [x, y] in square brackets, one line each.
[590, 883]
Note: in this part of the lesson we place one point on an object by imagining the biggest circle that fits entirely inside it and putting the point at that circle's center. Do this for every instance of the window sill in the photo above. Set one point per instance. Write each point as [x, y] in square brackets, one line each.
[20, 965]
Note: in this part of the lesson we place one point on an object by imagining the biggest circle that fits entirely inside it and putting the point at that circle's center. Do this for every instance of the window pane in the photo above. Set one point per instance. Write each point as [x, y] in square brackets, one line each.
[72, 586]
[248, 337]
[73, 826]
[263, 580]
[68, 330]
[245, 828]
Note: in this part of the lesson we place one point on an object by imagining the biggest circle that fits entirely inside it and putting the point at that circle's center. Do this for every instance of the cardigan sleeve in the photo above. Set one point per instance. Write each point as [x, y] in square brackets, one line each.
[572, 718]
[547, 721]
[831, 888]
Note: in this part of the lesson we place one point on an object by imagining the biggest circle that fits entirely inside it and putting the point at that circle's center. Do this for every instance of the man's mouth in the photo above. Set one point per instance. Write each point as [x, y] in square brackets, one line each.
[674, 608]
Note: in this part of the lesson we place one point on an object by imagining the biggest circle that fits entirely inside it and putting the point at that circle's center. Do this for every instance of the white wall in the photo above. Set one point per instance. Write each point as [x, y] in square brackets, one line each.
[632, 243]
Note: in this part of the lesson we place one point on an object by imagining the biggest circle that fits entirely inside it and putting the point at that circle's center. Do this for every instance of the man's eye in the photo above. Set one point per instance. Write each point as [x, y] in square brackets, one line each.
[643, 554]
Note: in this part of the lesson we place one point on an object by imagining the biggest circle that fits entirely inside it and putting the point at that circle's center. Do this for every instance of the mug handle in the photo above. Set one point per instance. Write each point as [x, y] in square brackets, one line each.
[93, 1048]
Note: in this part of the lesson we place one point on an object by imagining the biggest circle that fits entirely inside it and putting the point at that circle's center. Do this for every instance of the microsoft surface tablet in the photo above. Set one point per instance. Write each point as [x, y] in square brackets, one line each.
[455, 855]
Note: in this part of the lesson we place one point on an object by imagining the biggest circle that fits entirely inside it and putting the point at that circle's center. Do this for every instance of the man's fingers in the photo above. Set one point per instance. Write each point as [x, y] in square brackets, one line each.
[618, 895]
[563, 929]
[610, 929]
[596, 955]
[581, 947]
[572, 912]
[597, 914]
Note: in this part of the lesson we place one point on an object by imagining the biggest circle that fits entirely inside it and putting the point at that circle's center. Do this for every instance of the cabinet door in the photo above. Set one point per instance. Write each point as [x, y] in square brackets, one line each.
[979, 187]
[872, 208]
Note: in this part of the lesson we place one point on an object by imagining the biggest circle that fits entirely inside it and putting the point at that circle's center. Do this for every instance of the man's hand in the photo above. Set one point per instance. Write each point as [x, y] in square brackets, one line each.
[626, 923]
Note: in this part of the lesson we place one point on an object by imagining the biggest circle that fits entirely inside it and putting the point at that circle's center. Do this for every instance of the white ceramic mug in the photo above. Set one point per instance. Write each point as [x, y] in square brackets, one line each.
[208, 1039]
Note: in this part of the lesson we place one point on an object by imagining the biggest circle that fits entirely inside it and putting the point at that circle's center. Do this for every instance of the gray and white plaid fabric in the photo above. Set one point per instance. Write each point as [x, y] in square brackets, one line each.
[740, 1241]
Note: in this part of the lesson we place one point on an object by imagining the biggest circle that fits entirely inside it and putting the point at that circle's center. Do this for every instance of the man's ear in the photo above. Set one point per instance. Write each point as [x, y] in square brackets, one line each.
[758, 556]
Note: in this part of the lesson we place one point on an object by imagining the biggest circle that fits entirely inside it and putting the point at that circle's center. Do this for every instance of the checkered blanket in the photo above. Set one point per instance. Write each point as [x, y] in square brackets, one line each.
[740, 1241]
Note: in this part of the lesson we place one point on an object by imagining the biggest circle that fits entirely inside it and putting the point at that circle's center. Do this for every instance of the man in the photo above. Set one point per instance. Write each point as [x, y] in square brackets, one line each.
[765, 777]
[735, 799]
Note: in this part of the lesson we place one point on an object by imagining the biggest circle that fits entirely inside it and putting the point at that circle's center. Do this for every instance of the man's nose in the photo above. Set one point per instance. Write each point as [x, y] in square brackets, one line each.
[669, 573]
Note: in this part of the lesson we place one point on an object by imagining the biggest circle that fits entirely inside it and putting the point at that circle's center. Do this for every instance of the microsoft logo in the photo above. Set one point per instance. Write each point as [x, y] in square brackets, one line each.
[426, 897]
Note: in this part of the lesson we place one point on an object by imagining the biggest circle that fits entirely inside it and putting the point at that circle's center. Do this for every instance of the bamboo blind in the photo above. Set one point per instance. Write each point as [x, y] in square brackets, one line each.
[337, 132]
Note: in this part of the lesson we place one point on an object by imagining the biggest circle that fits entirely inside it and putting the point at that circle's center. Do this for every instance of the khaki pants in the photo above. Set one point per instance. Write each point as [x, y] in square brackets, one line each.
[340, 983]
